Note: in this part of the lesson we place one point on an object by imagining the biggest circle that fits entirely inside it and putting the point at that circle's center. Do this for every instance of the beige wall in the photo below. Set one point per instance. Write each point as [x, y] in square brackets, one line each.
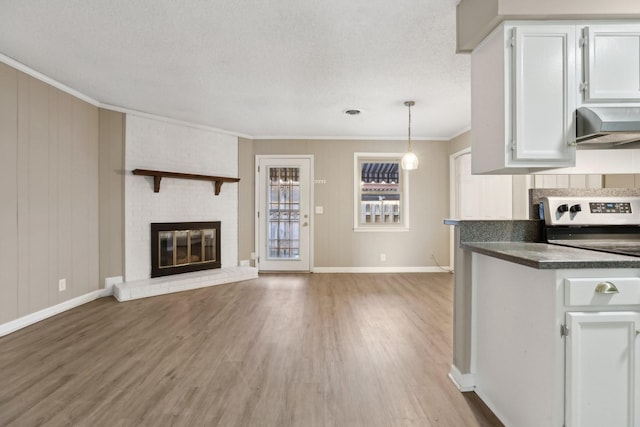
[476, 18]
[111, 140]
[622, 181]
[335, 242]
[460, 142]
[49, 179]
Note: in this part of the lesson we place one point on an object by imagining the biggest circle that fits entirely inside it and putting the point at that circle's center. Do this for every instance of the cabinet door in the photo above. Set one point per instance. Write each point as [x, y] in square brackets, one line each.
[611, 63]
[544, 94]
[602, 369]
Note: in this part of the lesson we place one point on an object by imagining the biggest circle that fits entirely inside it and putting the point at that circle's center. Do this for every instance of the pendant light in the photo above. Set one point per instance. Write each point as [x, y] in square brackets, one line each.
[409, 161]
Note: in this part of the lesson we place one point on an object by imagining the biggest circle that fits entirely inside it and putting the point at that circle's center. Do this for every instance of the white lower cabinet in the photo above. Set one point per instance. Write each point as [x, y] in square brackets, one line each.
[602, 369]
[556, 348]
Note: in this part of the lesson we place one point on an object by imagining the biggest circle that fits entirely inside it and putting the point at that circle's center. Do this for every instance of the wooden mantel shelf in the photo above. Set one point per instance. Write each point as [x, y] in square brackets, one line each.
[158, 175]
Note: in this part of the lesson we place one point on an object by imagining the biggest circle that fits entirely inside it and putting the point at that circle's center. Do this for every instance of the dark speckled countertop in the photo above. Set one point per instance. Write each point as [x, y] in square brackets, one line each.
[519, 241]
[545, 256]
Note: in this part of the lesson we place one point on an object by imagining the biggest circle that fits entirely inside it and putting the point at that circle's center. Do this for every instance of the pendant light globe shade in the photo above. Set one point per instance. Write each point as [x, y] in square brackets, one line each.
[409, 161]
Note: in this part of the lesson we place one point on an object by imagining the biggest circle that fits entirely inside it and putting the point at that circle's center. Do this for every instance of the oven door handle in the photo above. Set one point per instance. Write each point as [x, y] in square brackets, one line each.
[606, 288]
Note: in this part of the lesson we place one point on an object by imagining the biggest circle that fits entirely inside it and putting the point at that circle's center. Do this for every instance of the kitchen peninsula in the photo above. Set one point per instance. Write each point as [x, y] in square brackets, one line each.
[530, 331]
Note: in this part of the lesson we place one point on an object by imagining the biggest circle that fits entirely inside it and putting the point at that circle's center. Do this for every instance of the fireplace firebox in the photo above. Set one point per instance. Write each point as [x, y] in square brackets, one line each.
[182, 247]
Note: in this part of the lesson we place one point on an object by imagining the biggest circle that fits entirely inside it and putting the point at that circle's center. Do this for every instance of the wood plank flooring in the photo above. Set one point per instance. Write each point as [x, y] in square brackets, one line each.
[282, 350]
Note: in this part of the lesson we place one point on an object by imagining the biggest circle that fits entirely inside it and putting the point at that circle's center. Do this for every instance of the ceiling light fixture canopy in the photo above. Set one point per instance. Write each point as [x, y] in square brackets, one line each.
[409, 161]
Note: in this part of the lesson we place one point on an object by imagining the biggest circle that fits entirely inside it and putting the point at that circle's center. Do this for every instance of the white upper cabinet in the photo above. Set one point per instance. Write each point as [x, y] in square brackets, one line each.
[523, 99]
[543, 82]
[611, 70]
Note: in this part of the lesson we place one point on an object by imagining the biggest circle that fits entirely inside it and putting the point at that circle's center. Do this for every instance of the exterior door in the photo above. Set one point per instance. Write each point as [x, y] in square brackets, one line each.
[283, 198]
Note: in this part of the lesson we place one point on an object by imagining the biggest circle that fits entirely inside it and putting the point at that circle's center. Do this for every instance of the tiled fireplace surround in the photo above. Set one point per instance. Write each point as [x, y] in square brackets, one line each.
[159, 145]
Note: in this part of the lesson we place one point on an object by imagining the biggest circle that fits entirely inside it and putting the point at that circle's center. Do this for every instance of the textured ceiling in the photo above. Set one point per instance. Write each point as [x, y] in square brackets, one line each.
[286, 68]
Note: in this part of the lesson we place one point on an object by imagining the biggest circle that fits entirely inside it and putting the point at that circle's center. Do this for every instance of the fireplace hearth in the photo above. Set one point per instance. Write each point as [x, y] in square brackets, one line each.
[182, 247]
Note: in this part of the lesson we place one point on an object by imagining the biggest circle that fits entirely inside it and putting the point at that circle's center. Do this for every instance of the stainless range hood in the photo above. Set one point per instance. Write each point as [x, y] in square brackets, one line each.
[608, 127]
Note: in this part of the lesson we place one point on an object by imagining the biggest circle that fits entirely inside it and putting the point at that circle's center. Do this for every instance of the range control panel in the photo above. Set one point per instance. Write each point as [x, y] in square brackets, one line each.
[610, 207]
[590, 210]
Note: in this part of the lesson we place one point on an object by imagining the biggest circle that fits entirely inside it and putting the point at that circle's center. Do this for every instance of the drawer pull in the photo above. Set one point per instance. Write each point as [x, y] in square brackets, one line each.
[606, 288]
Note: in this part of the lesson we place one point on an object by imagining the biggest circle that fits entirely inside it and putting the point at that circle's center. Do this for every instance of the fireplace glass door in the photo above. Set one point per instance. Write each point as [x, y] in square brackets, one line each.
[183, 247]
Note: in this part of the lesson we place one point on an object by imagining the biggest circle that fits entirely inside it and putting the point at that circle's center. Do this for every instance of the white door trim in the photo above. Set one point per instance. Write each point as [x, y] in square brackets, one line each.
[453, 194]
[452, 179]
[311, 201]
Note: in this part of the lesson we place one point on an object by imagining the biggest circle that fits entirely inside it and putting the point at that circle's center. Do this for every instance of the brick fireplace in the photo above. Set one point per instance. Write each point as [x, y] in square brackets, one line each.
[168, 146]
[159, 145]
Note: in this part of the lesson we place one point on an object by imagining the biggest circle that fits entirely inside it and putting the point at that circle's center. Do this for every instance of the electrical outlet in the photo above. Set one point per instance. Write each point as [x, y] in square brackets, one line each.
[62, 285]
[383, 257]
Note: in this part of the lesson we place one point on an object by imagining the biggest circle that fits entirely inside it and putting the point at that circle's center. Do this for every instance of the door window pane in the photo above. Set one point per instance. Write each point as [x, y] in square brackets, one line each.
[283, 239]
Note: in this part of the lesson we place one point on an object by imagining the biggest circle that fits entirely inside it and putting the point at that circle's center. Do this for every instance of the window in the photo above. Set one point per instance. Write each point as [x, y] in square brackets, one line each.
[381, 193]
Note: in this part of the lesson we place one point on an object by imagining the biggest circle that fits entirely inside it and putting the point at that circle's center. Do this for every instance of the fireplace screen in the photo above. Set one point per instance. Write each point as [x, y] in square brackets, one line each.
[184, 247]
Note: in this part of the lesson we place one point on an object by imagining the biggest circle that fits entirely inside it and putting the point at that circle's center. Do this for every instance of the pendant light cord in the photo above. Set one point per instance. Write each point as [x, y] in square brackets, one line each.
[409, 104]
[409, 127]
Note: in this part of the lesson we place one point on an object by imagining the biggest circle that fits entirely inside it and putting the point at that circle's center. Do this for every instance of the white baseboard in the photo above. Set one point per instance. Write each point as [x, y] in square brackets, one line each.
[464, 382]
[30, 319]
[382, 269]
[110, 282]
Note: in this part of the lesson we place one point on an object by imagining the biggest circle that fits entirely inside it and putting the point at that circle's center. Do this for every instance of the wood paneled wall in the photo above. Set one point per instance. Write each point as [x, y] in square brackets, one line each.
[112, 148]
[49, 187]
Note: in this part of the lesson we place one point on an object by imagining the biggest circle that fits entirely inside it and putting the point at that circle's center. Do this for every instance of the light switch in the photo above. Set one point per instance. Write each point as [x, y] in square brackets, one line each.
[319, 210]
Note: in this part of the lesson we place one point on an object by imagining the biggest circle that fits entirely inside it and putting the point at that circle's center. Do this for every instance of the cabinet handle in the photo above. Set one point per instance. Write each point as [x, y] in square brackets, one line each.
[606, 288]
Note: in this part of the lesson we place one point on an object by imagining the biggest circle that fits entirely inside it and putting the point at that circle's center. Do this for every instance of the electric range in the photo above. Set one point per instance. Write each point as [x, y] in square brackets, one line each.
[606, 224]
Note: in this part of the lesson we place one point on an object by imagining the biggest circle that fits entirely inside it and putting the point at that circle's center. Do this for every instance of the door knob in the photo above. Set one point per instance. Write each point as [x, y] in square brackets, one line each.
[304, 224]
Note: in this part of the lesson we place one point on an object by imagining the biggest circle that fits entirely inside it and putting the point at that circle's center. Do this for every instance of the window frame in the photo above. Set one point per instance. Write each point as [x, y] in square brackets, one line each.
[363, 157]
